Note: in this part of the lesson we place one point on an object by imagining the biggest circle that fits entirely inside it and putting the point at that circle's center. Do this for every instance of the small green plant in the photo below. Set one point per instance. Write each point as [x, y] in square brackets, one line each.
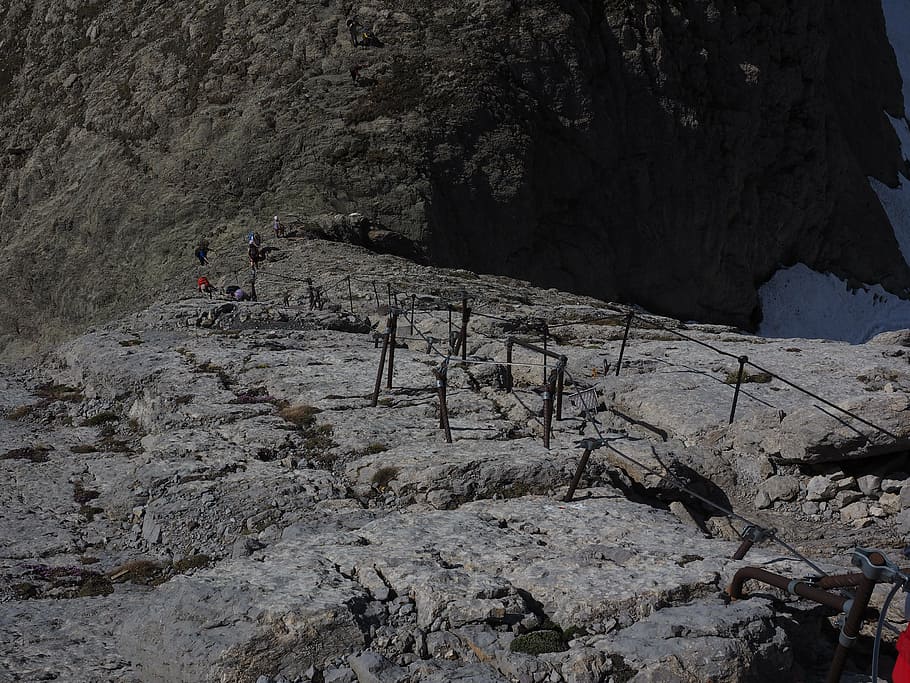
[99, 419]
[538, 643]
[383, 477]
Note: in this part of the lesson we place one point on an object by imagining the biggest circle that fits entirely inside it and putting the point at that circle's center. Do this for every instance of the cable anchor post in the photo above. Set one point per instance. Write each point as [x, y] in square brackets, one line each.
[441, 374]
[382, 356]
[509, 380]
[560, 383]
[625, 338]
[589, 445]
[393, 328]
[739, 380]
[751, 535]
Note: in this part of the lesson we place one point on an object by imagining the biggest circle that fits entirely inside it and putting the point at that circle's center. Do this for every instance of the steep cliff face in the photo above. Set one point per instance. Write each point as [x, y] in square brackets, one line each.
[673, 154]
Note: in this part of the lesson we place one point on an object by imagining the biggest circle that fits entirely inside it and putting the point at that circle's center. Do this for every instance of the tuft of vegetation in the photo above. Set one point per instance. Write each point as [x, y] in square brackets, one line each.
[83, 448]
[83, 495]
[257, 395]
[753, 378]
[383, 477]
[317, 444]
[22, 412]
[89, 511]
[99, 419]
[302, 416]
[130, 342]
[538, 643]
[371, 449]
[210, 368]
[62, 582]
[30, 453]
[59, 392]
[140, 572]
[190, 562]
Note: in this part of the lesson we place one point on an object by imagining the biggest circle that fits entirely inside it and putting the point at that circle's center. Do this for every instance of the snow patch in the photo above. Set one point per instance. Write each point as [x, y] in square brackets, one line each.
[800, 302]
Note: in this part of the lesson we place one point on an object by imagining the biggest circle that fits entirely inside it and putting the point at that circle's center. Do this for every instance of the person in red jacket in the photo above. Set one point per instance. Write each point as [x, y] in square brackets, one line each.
[205, 287]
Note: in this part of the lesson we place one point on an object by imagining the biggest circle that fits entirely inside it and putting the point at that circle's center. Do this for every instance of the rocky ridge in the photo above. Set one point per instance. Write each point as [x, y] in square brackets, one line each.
[203, 491]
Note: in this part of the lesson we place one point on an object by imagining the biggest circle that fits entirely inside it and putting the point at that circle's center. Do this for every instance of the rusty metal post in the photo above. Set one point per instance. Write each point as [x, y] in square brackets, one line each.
[451, 347]
[463, 338]
[560, 381]
[393, 333]
[548, 412]
[388, 289]
[625, 338]
[376, 294]
[385, 348]
[443, 407]
[853, 621]
[509, 380]
[350, 294]
[546, 333]
[413, 302]
[739, 380]
[577, 478]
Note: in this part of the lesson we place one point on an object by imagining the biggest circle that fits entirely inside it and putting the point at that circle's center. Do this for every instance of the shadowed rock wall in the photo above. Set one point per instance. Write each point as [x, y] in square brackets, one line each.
[673, 154]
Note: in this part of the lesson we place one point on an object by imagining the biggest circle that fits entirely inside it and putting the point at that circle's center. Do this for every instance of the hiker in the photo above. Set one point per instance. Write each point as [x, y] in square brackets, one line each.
[354, 27]
[255, 255]
[240, 295]
[205, 287]
[201, 253]
[277, 227]
[355, 73]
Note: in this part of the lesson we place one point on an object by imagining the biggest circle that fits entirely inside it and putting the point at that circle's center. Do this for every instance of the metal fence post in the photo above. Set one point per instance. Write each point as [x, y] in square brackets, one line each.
[625, 338]
[393, 333]
[739, 380]
[385, 348]
[577, 478]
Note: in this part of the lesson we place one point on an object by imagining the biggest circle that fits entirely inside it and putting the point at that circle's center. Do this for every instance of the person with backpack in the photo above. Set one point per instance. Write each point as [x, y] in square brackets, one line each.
[205, 287]
[201, 253]
[255, 250]
[277, 227]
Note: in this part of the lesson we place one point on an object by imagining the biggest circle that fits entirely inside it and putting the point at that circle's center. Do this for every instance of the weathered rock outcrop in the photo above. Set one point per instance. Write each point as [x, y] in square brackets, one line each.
[201, 497]
[668, 154]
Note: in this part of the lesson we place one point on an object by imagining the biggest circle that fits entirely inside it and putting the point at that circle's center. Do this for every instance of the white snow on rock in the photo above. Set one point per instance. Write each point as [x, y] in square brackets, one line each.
[800, 302]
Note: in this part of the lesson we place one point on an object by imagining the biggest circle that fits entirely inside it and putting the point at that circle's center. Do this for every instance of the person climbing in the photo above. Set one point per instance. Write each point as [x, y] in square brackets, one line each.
[255, 251]
[201, 253]
[277, 227]
[355, 73]
[354, 27]
[240, 295]
[205, 287]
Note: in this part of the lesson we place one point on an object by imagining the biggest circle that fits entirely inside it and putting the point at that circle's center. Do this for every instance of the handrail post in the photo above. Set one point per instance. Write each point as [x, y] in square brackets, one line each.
[451, 346]
[548, 412]
[739, 380]
[393, 327]
[577, 478]
[625, 338]
[560, 381]
[465, 316]
[509, 380]
[385, 348]
[546, 333]
[413, 302]
[852, 622]
[350, 294]
[443, 406]
[376, 294]
[310, 294]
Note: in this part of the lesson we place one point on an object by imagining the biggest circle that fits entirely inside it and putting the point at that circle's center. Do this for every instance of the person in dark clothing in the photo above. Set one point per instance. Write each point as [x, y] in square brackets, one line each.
[201, 253]
[354, 27]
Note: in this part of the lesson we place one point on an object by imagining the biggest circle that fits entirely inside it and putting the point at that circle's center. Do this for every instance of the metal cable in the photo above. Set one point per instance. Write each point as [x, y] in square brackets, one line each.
[878, 630]
[678, 484]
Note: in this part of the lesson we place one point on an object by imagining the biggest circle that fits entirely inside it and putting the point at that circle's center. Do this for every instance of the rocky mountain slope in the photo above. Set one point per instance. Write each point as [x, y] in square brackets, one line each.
[671, 154]
[205, 491]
